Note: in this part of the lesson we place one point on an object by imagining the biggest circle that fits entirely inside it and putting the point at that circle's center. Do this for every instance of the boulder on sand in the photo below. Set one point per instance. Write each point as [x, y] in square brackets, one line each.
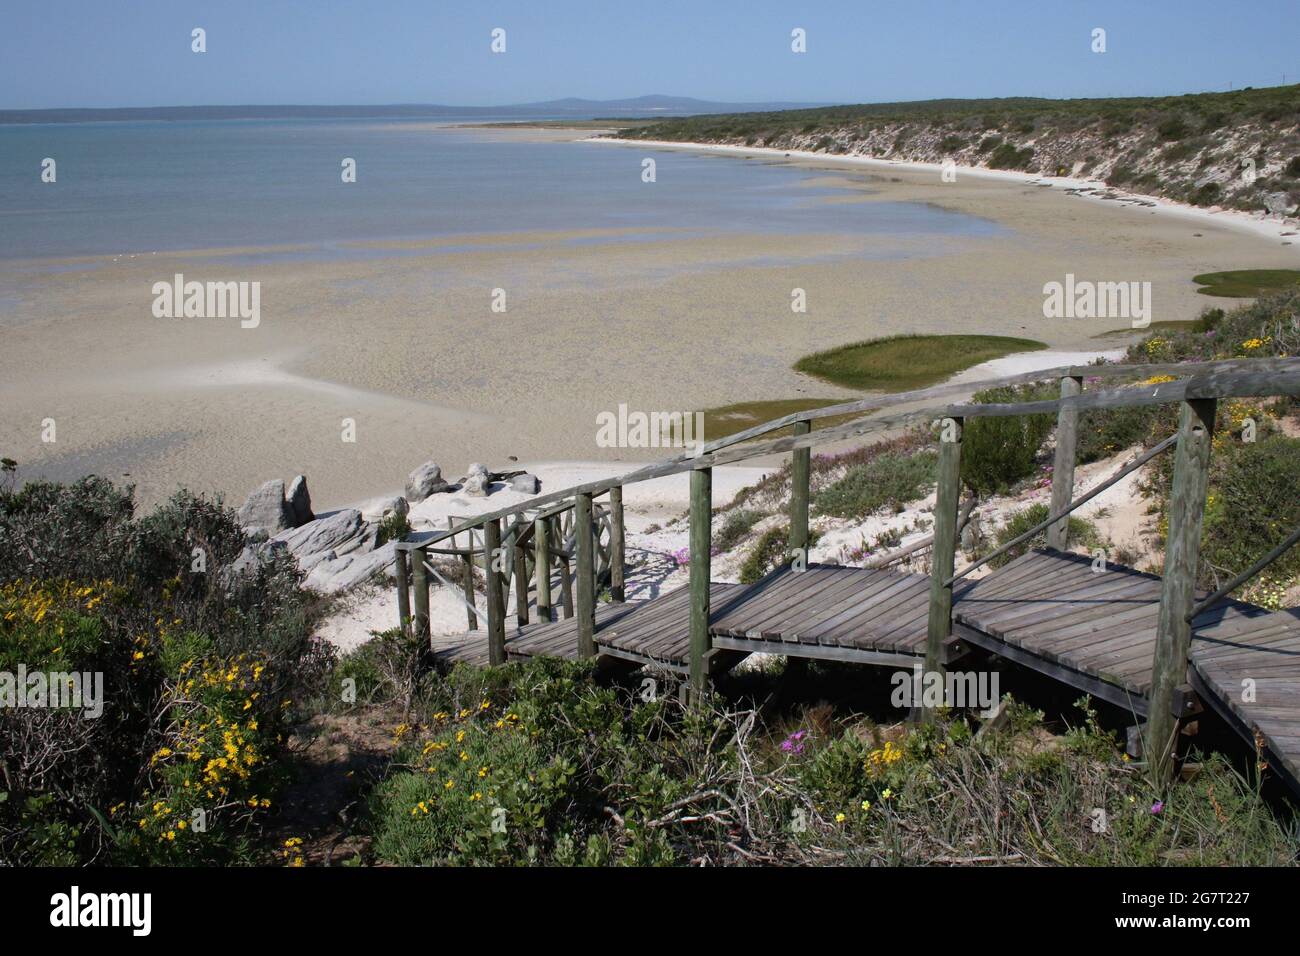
[526, 483]
[477, 481]
[266, 509]
[424, 481]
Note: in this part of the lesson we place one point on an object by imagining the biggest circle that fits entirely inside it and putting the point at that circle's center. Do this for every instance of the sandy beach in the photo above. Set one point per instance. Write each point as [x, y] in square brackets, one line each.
[401, 338]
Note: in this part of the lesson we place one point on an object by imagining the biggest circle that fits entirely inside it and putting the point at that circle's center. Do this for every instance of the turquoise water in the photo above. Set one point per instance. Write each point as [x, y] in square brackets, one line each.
[153, 186]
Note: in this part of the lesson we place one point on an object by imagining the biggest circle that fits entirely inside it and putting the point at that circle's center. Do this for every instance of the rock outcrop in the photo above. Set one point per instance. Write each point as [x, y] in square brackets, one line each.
[299, 501]
[266, 509]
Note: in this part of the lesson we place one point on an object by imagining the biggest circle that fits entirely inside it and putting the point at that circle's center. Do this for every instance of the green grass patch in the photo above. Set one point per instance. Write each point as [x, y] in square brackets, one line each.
[1170, 325]
[903, 362]
[1245, 283]
[729, 419]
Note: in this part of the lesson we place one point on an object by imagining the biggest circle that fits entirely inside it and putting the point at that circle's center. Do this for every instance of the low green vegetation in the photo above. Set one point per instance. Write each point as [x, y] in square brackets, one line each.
[1245, 283]
[729, 419]
[770, 551]
[738, 523]
[1083, 534]
[885, 481]
[540, 764]
[903, 362]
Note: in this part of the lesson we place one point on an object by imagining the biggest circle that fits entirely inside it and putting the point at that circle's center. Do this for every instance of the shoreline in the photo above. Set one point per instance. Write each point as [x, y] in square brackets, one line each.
[1082, 188]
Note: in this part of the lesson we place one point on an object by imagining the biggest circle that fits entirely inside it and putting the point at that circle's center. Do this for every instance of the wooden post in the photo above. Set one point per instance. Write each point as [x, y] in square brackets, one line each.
[701, 518]
[617, 544]
[1178, 587]
[467, 583]
[521, 586]
[566, 572]
[420, 582]
[542, 562]
[586, 575]
[496, 605]
[403, 591]
[943, 551]
[1067, 441]
[467, 574]
[800, 475]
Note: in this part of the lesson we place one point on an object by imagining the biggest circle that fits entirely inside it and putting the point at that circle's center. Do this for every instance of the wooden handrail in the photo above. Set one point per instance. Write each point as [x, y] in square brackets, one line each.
[1065, 512]
[1233, 377]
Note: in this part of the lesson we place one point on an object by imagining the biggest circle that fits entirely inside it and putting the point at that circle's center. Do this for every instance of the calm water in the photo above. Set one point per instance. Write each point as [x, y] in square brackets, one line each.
[141, 187]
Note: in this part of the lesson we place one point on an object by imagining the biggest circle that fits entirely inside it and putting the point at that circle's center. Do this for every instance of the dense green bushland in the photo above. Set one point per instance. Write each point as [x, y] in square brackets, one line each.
[201, 668]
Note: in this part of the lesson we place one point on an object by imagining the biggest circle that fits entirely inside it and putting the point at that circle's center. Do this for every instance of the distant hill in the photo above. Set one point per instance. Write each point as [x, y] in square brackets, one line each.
[572, 108]
[1239, 149]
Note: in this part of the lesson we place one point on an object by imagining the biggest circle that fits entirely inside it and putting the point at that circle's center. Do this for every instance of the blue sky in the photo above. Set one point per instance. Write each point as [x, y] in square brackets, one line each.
[137, 52]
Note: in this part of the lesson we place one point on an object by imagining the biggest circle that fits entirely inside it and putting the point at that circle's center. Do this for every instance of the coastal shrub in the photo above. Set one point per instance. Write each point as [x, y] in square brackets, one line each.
[989, 143]
[1175, 127]
[1103, 432]
[999, 452]
[394, 527]
[200, 667]
[1267, 327]
[537, 763]
[1083, 533]
[770, 551]
[885, 481]
[738, 523]
[1253, 503]
[1007, 156]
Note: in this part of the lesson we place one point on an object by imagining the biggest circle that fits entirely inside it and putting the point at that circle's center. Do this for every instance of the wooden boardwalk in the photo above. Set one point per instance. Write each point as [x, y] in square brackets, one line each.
[1050, 611]
[1092, 629]
[1154, 647]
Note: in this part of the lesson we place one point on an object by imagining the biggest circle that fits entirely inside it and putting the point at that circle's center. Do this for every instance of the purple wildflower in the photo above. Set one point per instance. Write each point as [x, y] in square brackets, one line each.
[1158, 806]
[794, 743]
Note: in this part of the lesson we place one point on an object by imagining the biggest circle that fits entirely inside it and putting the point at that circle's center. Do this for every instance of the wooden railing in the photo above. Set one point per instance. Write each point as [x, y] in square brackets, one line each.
[1196, 387]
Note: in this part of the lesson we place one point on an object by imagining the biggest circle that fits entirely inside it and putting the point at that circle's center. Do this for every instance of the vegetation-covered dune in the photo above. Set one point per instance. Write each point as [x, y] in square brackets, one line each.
[1239, 150]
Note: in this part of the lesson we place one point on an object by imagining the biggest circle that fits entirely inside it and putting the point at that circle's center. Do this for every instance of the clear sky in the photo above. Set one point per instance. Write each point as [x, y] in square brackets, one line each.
[137, 52]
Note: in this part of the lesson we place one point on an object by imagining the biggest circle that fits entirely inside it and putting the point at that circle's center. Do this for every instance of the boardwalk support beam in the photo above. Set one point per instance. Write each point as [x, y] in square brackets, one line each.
[800, 474]
[1067, 440]
[403, 591]
[420, 584]
[542, 566]
[586, 574]
[617, 545]
[1178, 588]
[944, 551]
[496, 604]
[701, 517]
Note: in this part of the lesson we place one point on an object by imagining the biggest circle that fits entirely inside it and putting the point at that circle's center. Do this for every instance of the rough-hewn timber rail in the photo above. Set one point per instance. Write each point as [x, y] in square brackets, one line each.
[1152, 644]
